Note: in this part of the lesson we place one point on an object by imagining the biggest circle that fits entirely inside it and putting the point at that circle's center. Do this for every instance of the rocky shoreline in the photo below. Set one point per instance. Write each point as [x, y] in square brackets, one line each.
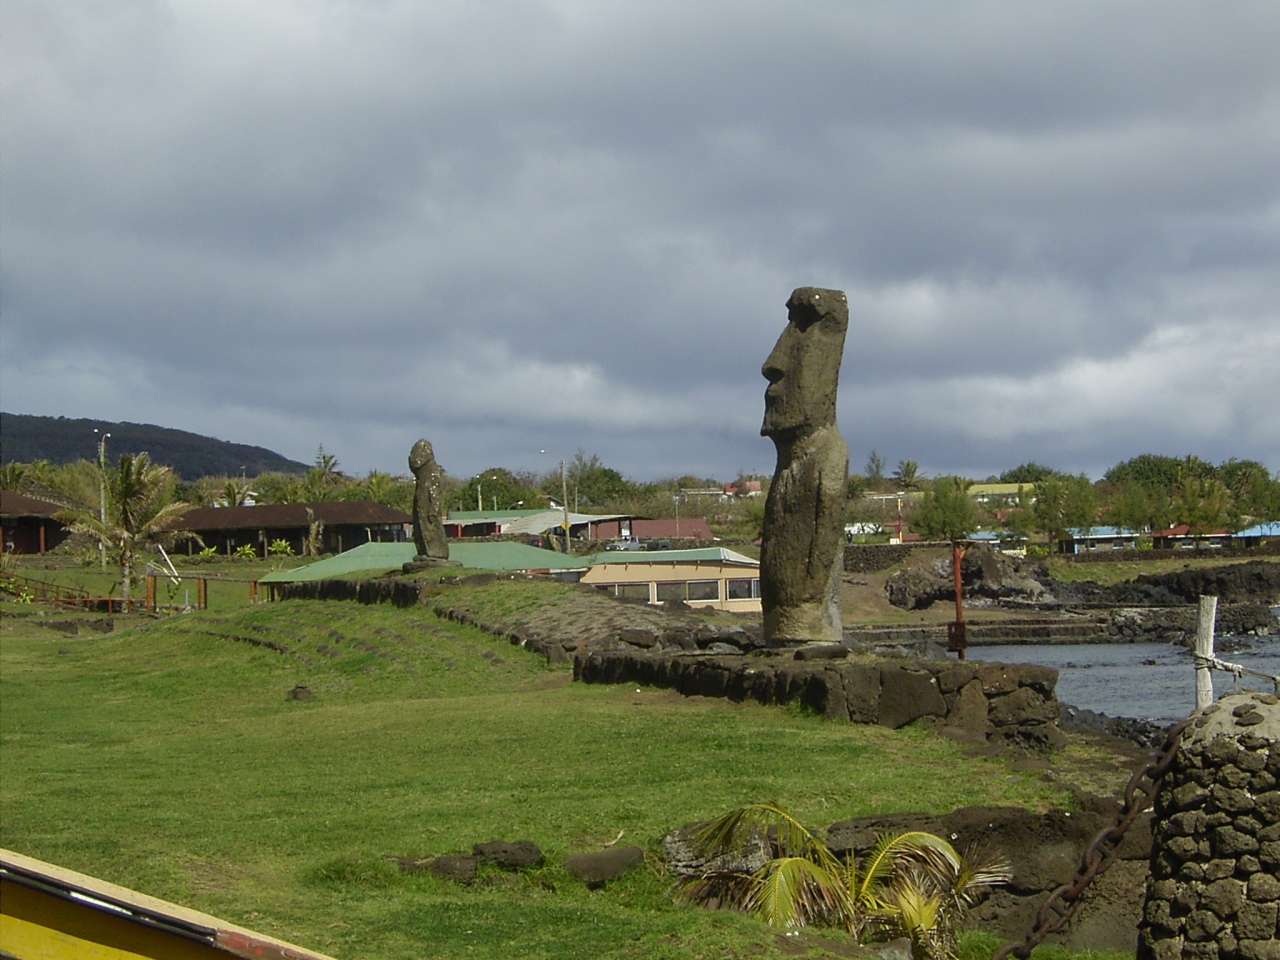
[1148, 608]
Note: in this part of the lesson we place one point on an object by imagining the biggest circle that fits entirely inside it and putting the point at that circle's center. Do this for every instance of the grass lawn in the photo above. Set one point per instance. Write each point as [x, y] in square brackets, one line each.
[228, 589]
[1108, 572]
[166, 757]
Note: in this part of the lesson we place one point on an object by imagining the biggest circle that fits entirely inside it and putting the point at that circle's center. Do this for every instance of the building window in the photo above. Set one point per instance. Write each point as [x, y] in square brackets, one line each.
[626, 591]
[697, 590]
[633, 591]
[744, 589]
[704, 589]
[671, 590]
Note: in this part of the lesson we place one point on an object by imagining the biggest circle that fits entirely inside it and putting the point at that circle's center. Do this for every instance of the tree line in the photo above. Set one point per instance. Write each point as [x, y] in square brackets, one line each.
[587, 484]
[1145, 493]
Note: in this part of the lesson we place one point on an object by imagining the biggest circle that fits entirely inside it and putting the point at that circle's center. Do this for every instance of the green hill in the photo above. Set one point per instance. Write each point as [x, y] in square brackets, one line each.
[25, 438]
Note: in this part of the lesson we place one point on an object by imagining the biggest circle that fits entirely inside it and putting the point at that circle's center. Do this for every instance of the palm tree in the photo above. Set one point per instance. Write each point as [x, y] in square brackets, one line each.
[236, 491]
[907, 475]
[912, 884]
[138, 512]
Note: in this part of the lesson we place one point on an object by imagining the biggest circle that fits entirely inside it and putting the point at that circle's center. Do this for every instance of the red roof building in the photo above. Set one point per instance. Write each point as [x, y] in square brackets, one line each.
[347, 524]
[27, 525]
[1181, 537]
[659, 528]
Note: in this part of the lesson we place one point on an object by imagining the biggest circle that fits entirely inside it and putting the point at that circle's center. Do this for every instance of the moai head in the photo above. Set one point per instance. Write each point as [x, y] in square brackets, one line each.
[804, 368]
[421, 455]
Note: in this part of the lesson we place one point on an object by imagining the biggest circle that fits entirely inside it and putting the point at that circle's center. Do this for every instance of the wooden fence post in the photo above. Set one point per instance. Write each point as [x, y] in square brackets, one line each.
[1204, 649]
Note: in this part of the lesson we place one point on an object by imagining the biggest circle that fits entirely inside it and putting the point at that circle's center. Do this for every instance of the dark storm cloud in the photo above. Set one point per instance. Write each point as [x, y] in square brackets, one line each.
[510, 226]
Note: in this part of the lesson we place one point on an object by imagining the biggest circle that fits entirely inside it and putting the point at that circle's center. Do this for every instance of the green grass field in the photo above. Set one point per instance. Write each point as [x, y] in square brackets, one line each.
[228, 586]
[166, 757]
[1114, 572]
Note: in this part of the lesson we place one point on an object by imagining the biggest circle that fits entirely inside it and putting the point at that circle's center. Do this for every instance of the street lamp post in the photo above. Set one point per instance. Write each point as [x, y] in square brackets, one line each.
[102, 492]
[564, 497]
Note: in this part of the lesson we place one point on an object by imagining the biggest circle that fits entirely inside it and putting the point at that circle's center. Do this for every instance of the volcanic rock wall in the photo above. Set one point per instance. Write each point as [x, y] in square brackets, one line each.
[1005, 704]
[1214, 889]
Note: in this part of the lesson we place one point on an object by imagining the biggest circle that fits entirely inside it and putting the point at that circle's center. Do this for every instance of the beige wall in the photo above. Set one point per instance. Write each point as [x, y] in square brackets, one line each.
[654, 574]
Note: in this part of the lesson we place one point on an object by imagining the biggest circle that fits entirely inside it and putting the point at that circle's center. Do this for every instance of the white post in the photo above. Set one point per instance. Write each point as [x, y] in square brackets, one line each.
[564, 498]
[1204, 648]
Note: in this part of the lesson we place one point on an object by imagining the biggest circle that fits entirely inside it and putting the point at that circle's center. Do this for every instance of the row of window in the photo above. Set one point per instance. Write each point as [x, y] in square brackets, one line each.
[691, 590]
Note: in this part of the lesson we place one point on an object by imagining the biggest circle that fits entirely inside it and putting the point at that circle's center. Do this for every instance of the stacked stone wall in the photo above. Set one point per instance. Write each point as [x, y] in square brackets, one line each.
[1009, 705]
[1270, 549]
[872, 557]
[1214, 888]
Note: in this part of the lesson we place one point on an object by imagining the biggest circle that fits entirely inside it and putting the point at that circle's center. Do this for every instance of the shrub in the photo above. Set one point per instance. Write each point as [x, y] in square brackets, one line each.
[912, 884]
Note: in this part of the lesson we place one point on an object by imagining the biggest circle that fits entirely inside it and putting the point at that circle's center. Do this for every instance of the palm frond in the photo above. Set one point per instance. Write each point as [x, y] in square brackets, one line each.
[795, 891]
[887, 853]
[985, 868]
[83, 521]
[917, 909]
[913, 883]
[156, 524]
[733, 831]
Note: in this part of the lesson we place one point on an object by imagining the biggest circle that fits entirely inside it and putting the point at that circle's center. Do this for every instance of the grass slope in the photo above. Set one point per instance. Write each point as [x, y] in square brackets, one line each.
[167, 757]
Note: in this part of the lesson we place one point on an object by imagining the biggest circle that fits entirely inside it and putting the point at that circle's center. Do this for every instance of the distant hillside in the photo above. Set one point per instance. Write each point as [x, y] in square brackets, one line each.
[60, 440]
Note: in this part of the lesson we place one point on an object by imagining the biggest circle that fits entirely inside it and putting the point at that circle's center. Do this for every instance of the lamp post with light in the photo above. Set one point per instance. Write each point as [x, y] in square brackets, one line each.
[480, 479]
[102, 492]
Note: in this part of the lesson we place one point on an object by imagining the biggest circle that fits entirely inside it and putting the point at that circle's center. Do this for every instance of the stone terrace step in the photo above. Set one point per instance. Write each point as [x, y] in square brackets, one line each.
[991, 632]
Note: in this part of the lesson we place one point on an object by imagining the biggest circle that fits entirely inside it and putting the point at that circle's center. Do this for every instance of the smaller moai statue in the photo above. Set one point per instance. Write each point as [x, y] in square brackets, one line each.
[428, 504]
[802, 547]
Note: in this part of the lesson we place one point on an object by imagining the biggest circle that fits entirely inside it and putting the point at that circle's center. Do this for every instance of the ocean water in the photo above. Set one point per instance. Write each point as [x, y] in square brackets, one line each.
[1146, 681]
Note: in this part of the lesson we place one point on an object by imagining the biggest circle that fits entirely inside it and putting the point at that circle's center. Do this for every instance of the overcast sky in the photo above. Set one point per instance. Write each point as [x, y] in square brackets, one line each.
[508, 225]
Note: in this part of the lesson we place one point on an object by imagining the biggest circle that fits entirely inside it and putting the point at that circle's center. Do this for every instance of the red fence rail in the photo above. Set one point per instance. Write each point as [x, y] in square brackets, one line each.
[44, 591]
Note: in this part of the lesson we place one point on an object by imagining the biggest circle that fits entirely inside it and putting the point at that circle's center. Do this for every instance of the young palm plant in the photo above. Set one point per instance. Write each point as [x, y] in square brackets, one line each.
[139, 510]
[913, 884]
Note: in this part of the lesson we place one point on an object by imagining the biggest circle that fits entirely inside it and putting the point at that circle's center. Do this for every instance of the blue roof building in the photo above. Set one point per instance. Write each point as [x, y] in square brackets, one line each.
[1082, 540]
[1258, 534]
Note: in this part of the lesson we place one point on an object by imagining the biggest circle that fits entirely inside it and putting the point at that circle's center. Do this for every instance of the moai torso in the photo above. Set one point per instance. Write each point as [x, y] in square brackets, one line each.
[428, 503]
[802, 548]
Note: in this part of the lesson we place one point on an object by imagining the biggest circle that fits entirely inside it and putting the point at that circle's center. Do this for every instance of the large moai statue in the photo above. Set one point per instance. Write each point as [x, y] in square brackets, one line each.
[428, 503]
[801, 551]
[1214, 889]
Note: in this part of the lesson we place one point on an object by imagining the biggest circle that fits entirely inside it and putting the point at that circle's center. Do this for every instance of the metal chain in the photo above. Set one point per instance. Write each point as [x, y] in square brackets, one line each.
[1061, 906]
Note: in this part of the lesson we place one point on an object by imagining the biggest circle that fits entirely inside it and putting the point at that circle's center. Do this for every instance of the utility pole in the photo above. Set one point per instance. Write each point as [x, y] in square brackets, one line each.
[102, 493]
[564, 497]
